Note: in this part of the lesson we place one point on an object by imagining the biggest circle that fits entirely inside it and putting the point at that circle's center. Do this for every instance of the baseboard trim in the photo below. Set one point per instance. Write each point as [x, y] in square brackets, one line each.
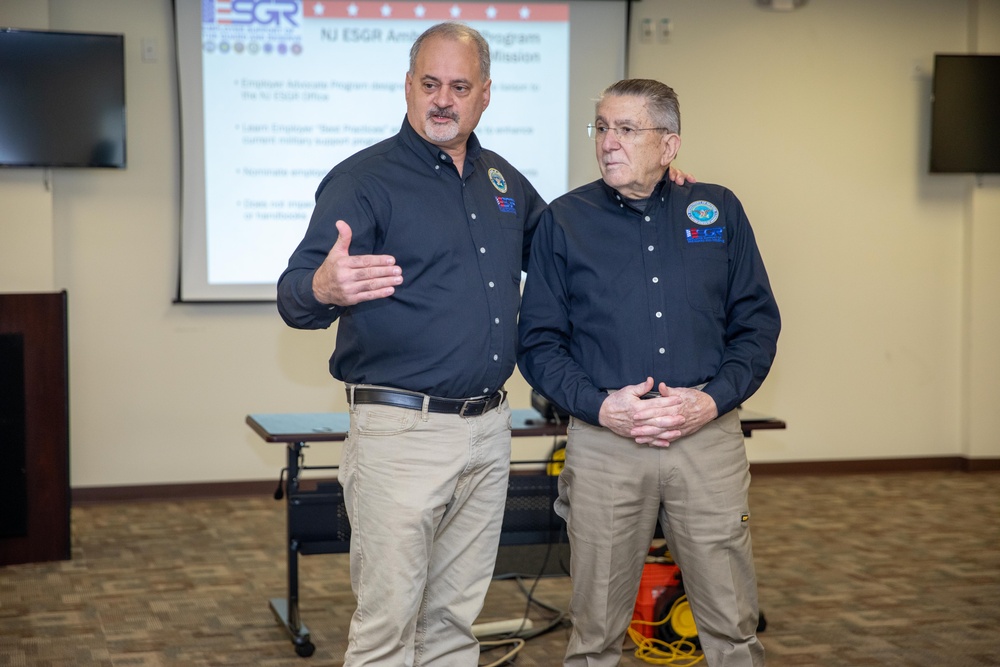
[860, 466]
[104, 494]
[194, 490]
[982, 465]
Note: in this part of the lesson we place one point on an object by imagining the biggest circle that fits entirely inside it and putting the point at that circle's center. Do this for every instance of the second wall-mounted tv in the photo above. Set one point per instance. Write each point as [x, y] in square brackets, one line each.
[62, 99]
[965, 114]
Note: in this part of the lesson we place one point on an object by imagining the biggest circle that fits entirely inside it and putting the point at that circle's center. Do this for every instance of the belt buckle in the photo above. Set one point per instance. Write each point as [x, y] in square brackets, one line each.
[465, 405]
[483, 402]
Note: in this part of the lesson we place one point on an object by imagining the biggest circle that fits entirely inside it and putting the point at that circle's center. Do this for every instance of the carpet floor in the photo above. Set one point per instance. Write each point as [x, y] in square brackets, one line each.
[895, 569]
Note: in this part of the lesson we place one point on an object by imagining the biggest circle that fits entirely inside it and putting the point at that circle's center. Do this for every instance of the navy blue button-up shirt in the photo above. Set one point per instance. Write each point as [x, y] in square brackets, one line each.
[677, 292]
[450, 329]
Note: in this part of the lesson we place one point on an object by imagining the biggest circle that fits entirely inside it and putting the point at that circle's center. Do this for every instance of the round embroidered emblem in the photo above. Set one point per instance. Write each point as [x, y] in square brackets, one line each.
[498, 181]
[702, 212]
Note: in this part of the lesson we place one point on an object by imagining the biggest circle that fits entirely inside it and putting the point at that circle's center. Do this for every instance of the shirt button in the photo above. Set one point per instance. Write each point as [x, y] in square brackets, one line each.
[659, 314]
[443, 156]
[438, 167]
[648, 218]
[486, 390]
[650, 248]
[496, 320]
[656, 280]
[473, 216]
[662, 350]
[495, 357]
[491, 283]
[482, 251]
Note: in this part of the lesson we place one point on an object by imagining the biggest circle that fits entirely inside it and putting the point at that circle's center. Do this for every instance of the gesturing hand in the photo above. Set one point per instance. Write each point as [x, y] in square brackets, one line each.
[344, 279]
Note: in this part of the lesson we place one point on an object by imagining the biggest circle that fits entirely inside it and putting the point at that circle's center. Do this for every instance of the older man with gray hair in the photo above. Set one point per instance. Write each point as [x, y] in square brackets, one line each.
[648, 316]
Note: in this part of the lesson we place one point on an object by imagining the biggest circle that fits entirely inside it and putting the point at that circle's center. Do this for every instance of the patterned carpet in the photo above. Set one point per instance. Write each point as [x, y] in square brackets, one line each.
[900, 569]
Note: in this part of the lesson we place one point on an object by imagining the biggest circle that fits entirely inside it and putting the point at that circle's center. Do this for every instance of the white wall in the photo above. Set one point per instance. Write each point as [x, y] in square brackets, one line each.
[816, 118]
[981, 389]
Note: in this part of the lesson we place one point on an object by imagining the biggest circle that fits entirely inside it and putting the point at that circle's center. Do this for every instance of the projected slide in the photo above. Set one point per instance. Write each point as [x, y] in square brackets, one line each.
[276, 92]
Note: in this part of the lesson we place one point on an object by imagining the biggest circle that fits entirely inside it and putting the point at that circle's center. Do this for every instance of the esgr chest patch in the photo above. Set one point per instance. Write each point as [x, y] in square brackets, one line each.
[705, 235]
[506, 204]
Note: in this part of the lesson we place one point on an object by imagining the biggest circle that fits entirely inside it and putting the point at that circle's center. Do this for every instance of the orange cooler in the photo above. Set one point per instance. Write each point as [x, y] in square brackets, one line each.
[657, 579]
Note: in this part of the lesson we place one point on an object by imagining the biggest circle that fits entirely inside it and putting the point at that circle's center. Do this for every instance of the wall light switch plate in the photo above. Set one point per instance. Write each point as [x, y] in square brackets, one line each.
[646, 30]
[663, 29]
[148, 50]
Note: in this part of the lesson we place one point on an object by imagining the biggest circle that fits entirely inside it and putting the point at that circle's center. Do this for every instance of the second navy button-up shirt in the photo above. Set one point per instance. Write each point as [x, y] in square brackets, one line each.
[677, 292]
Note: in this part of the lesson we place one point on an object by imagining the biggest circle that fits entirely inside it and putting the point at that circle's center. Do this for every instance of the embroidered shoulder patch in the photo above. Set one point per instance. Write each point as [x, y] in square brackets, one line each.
[702, 212]
[497, 179]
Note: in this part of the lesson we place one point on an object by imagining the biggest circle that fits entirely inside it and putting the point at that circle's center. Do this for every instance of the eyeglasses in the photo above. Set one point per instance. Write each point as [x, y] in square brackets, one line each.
[626, 135]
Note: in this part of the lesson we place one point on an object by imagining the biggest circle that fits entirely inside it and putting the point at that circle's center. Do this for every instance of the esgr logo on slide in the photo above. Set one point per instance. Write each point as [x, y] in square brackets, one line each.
[251, 12]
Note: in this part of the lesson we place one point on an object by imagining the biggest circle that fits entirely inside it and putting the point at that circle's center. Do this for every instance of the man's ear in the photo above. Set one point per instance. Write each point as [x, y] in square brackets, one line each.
[670, 147]
[486, 93]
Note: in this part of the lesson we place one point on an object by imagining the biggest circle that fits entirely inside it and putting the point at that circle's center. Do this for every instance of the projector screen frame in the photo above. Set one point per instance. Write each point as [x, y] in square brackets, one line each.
[607, 23]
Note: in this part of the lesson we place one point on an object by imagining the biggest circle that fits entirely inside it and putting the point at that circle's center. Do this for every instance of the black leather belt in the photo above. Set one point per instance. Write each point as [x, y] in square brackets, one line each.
[464, 407]
[644, 397]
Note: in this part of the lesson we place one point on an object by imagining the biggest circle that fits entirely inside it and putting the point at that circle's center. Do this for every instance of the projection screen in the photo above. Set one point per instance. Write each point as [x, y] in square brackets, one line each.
[274, 93]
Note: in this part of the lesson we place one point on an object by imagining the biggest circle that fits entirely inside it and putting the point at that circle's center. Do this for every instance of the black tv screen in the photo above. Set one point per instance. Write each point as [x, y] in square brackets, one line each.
[965, 114]
[62, 99]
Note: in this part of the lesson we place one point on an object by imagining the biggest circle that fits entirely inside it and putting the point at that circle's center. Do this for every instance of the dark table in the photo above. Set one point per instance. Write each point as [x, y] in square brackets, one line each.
[317, 522]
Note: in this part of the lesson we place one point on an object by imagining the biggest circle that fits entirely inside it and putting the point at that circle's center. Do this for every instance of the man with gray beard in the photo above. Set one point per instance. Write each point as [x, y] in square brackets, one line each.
[416, 247]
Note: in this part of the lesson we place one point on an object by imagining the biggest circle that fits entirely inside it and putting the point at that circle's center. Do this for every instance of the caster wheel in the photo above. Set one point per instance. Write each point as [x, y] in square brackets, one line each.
[305, 649]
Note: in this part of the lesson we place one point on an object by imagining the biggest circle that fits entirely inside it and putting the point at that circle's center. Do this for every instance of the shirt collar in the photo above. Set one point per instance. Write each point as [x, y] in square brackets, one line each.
[659, 190]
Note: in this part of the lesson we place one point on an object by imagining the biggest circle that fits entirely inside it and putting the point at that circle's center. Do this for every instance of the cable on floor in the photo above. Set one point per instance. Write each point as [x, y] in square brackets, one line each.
[678, 653]
[517, 644]
[521, 635]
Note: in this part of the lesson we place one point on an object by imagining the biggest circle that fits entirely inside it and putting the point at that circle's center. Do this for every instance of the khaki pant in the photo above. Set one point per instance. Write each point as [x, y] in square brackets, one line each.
[612, 491]
[425, 495]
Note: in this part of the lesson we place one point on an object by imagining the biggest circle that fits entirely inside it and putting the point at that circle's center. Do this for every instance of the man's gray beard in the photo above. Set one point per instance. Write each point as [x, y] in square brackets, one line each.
[441, 133]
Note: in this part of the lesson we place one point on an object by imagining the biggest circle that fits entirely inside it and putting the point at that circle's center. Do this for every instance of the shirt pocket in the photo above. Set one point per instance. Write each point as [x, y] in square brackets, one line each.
[706, 277]
[512, 229]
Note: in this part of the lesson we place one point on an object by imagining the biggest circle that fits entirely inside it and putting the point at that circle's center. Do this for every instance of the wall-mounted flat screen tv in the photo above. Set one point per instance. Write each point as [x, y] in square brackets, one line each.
[965, 114]
[62, 99]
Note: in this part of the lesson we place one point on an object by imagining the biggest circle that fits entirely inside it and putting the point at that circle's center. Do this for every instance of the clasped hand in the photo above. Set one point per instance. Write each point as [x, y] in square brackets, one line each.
[675, 413]
[344, 279]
